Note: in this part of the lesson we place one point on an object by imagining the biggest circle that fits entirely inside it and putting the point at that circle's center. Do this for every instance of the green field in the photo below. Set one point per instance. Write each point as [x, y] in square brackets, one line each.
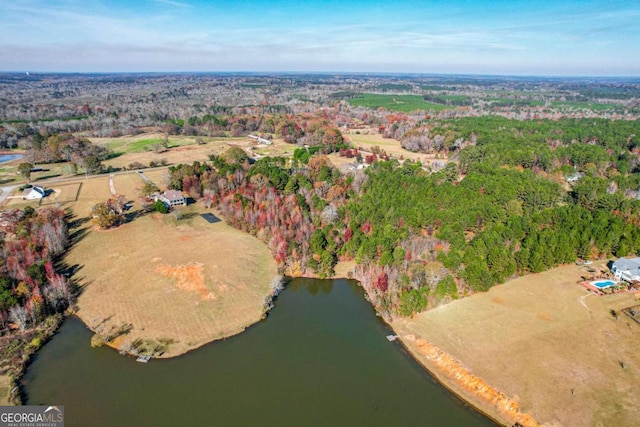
[584, 105]
[503, 102]
[402, 103]
[123, 146]
[397, 87]
[454, 98]
[139, 144]
[432, 87]
[449, 99]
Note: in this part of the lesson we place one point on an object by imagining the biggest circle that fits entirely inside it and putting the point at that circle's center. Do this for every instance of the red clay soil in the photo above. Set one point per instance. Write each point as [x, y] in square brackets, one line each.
[447, 366]
[190, 278]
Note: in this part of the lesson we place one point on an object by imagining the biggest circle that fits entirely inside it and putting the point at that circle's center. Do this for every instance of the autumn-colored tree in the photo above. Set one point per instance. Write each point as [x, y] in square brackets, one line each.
[110, 213]
[383, 282]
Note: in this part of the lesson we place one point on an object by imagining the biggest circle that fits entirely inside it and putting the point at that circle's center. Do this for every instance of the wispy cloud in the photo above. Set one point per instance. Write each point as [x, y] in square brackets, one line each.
[173, 3]
[119, 35]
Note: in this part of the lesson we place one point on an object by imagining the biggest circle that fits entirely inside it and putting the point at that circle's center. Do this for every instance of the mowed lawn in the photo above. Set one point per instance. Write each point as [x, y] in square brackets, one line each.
[184, 281]
[545, 341]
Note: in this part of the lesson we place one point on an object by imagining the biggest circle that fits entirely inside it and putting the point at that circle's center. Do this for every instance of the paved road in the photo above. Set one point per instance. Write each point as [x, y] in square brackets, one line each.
[112, 188]
[143, 176]
[6, 191]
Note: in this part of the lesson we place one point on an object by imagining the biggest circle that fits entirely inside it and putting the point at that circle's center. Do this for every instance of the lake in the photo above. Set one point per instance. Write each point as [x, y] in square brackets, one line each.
[320, 359]
[4, 158]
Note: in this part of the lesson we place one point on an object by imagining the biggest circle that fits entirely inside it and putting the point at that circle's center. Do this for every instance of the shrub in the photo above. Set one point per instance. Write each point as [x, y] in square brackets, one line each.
[160, 207]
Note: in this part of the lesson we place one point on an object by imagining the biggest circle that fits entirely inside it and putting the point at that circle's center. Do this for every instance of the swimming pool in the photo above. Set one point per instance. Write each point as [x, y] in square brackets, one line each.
[603, 284]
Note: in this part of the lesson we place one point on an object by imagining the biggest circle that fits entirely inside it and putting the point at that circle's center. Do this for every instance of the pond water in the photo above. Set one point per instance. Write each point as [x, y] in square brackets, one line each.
[320, 359]
[4, 158]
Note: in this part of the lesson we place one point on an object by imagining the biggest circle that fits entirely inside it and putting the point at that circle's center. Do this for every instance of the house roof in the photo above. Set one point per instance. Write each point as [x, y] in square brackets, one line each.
[631, 264]
[172, 195]
[40, 190]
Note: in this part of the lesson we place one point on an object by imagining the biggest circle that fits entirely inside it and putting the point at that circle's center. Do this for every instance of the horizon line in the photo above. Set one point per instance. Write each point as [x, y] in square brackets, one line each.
[358, 73]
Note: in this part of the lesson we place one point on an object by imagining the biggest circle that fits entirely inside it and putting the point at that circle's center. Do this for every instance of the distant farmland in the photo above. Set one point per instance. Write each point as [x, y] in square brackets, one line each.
[402, 103]
[595, 106]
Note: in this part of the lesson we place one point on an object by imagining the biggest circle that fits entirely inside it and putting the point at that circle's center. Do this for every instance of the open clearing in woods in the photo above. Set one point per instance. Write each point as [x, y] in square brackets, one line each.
[368, 138]
[187, 281]
[182, 149]
[547, 342]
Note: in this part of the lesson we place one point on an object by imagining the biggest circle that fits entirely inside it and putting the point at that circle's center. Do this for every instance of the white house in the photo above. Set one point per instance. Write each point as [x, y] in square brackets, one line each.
[574, 177]
[35, 192]
[627, 269]
[172, 198]
[260, 140]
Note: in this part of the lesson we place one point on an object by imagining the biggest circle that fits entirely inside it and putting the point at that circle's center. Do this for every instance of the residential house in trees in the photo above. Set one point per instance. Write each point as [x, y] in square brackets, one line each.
[627, 269]
[172, 198]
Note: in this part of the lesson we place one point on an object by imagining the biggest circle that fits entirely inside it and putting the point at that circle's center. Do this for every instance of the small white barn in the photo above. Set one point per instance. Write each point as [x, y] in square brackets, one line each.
[260, 140]
[627, 269]
[574, 177]
[34, 193]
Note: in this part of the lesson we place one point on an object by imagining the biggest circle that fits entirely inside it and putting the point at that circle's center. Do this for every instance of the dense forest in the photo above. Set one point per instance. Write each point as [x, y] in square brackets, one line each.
[112, 105]
[31, 287]
[506, 208]
[418, 237]
[540, 172]
[34, 291]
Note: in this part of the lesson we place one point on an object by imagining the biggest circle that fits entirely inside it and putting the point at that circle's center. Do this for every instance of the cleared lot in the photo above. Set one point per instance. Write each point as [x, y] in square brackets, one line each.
[545, 341]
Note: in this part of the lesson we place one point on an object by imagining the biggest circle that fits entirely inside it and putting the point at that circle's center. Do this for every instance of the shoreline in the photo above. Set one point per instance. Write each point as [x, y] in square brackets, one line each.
[413, 345]
[502, 411]
[458, 380]
[343, 274]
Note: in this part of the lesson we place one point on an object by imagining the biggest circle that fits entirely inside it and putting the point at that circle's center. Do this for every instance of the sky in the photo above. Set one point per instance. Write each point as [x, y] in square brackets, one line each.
[561, 38]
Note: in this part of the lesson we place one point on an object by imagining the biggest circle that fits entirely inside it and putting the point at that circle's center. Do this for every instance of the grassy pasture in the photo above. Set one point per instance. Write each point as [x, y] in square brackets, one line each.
[402, 103]
[181, 149]
[63, 194]
[128, 184]
[397, 87]
[94, 190]
[5, 388]
[546, 340]
[594, 106]
[516, 102]
[453, 98]
[141, 143]
[369, 138]
[157, 176]
[124, 280]
[152, 273]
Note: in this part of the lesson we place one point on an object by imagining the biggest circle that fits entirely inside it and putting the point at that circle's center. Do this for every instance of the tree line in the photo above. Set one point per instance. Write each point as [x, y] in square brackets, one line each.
[31, 286]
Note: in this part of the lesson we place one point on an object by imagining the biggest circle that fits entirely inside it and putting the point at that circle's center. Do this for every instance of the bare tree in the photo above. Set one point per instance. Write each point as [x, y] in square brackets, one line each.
[19, 316]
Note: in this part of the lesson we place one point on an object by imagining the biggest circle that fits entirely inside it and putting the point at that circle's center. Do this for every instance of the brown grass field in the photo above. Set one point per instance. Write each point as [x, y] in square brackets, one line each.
[546, 342]
[183, 149]
[5, 384]
[369, 138]
[183, 281]
[142, 274]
